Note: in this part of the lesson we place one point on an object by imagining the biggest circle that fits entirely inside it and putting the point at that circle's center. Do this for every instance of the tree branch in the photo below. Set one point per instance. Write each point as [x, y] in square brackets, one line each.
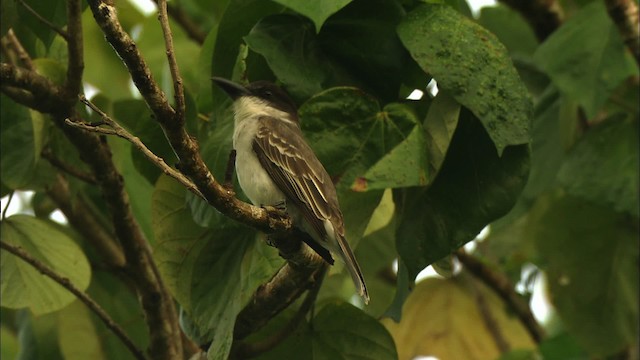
[21, 96]
[191, 28]
[503, 287]
[88, 301]
[544, 16]
[178, 88]
[61, 165]
[22, 54]
[118, 130]
[245, 350]
[187, 149]
[158, 306]
[485, 312]
[46, 96]
[303, 268]
[624, 14]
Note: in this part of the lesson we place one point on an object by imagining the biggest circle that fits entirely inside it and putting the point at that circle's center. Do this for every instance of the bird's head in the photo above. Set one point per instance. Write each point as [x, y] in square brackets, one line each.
[259, 97]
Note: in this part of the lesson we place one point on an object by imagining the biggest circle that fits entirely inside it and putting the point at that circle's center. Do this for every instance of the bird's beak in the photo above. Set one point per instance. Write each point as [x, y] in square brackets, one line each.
[232, 89]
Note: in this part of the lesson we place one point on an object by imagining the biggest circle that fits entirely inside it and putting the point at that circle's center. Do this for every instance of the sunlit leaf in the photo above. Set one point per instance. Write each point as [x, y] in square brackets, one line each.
[25, 287]
[442, 318]
[77, 334]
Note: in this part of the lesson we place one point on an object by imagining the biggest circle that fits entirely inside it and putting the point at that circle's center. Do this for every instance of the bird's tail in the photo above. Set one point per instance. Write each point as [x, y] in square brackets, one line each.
[353, 267]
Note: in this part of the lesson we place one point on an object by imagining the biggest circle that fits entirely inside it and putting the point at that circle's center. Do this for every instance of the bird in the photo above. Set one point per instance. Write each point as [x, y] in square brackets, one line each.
[275, 166]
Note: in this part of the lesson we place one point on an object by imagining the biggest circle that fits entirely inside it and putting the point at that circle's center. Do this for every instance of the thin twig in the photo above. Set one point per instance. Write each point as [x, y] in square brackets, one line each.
[157, 304]
[186, 23]
[82, 296]
[61, 165]
[118, 130]
[6, 207]
[44, 20]
[178, 88]
[503, 287]
[19, 49]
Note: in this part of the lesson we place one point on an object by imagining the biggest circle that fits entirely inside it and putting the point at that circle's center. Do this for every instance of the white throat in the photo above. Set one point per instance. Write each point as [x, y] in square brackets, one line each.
[251, 107]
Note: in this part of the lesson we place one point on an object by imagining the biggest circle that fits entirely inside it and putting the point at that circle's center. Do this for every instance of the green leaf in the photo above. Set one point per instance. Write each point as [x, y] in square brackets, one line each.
[121, 303]
[77, 335]
[473, 66]
[350, 132]
[510, 28]
[20, 140]
[295, 55]
[586, 58]
[55, 11]
[237, 20]
[202, 267]
[105, 70]
[295, 346]
[54, 70]
[23, 285]
[37, 337]
[439, 126]
[289, 45]
[590, 255]
[475, 187]
[548, 148]
[318, 11]
[8, 343]
[8, 16]
[137, 186]
[185, 51]
[377, 252]
[136, 117]
[562, 346]
[342, 331]
[613, 146]
[362, 38]
[403, 289]
[405, 165]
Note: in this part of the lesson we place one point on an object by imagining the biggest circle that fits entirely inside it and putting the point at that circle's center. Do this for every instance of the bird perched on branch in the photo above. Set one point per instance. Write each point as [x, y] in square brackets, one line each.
[276, 167]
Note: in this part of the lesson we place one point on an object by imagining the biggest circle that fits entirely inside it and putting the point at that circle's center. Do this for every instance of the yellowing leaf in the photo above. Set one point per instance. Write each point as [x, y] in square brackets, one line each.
[441, 318]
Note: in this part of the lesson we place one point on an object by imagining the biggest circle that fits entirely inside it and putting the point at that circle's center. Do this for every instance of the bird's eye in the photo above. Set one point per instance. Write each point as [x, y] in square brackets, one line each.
[268, 93]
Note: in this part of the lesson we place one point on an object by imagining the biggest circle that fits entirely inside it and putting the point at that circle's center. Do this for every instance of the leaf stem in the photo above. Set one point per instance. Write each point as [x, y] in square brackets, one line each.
[4, 211]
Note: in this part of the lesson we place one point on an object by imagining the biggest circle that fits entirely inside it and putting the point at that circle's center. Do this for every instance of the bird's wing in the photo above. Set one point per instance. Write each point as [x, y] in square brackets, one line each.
[298, 173]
